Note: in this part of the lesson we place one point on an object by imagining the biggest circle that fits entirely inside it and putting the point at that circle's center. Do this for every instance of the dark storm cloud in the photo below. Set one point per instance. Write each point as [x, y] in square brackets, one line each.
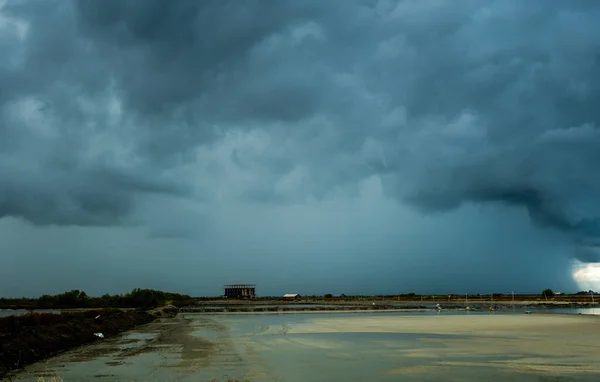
[450, 102]
[92, 196]
[543, 209]
[587, 254]
[169, 56]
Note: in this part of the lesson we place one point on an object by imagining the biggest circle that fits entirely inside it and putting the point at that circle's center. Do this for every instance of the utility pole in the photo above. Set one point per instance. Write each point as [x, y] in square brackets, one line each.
[513, 300]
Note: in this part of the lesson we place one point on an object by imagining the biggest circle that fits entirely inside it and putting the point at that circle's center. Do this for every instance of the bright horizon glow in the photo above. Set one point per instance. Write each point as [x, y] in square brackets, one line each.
[587, 276]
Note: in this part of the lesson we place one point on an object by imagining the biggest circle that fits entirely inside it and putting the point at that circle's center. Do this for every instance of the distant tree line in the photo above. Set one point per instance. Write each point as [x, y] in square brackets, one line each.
[137, 298]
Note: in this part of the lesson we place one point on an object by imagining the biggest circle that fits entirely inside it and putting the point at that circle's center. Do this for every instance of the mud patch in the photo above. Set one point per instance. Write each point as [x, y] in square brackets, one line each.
[30, 338]
[176, 337]
[114, 363]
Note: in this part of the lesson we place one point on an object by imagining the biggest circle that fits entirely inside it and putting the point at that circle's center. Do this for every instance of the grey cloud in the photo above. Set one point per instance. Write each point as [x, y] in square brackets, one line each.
[177, 66]
[542, 208]
[181, 53]
[182, 68]
[587, 254]
[76, 197]
[106, 104]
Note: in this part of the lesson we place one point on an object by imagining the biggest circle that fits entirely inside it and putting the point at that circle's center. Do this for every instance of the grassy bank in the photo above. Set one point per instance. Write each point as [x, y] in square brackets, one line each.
[29, 338]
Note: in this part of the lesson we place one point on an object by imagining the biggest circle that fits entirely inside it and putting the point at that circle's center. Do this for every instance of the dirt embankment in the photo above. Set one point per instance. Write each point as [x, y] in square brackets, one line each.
[252, 306]
[507, 300]
[283, 308]
[29, 338]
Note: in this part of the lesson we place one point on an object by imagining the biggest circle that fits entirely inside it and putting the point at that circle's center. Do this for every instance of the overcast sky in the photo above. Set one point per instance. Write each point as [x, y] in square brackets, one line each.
[306, 146]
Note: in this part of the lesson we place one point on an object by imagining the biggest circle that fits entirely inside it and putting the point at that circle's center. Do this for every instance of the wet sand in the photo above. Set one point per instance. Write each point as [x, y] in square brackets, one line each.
[165, 350]
[476, 324]
[552, 345]
[342, 346]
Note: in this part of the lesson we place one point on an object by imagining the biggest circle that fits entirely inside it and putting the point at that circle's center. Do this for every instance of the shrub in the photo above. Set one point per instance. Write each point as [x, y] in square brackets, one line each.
[547, 293]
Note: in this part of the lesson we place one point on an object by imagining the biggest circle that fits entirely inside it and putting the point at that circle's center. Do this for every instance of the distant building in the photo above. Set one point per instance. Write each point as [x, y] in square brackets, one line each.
[291, 296]
[240, 290]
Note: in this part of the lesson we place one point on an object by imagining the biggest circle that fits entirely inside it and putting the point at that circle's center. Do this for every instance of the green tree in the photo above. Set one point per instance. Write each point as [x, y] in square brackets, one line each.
[547, 293]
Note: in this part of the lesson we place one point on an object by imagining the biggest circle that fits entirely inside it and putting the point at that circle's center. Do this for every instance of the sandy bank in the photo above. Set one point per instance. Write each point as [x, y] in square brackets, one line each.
[558, 326]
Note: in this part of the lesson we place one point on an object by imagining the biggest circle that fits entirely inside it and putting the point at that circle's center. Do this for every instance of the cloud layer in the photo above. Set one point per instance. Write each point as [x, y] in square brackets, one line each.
[116, 114]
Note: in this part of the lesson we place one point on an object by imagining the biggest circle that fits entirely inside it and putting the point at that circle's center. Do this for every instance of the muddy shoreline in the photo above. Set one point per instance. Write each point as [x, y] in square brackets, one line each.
[30, 338]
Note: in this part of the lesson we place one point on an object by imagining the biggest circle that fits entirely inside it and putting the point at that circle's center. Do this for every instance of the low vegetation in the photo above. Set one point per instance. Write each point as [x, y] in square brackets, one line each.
[137, 298]
[149, 298]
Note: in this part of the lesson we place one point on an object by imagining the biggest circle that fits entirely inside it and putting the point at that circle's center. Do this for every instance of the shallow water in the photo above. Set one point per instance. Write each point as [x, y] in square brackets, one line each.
[384, 356]
[409, 346]
[568, 310]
